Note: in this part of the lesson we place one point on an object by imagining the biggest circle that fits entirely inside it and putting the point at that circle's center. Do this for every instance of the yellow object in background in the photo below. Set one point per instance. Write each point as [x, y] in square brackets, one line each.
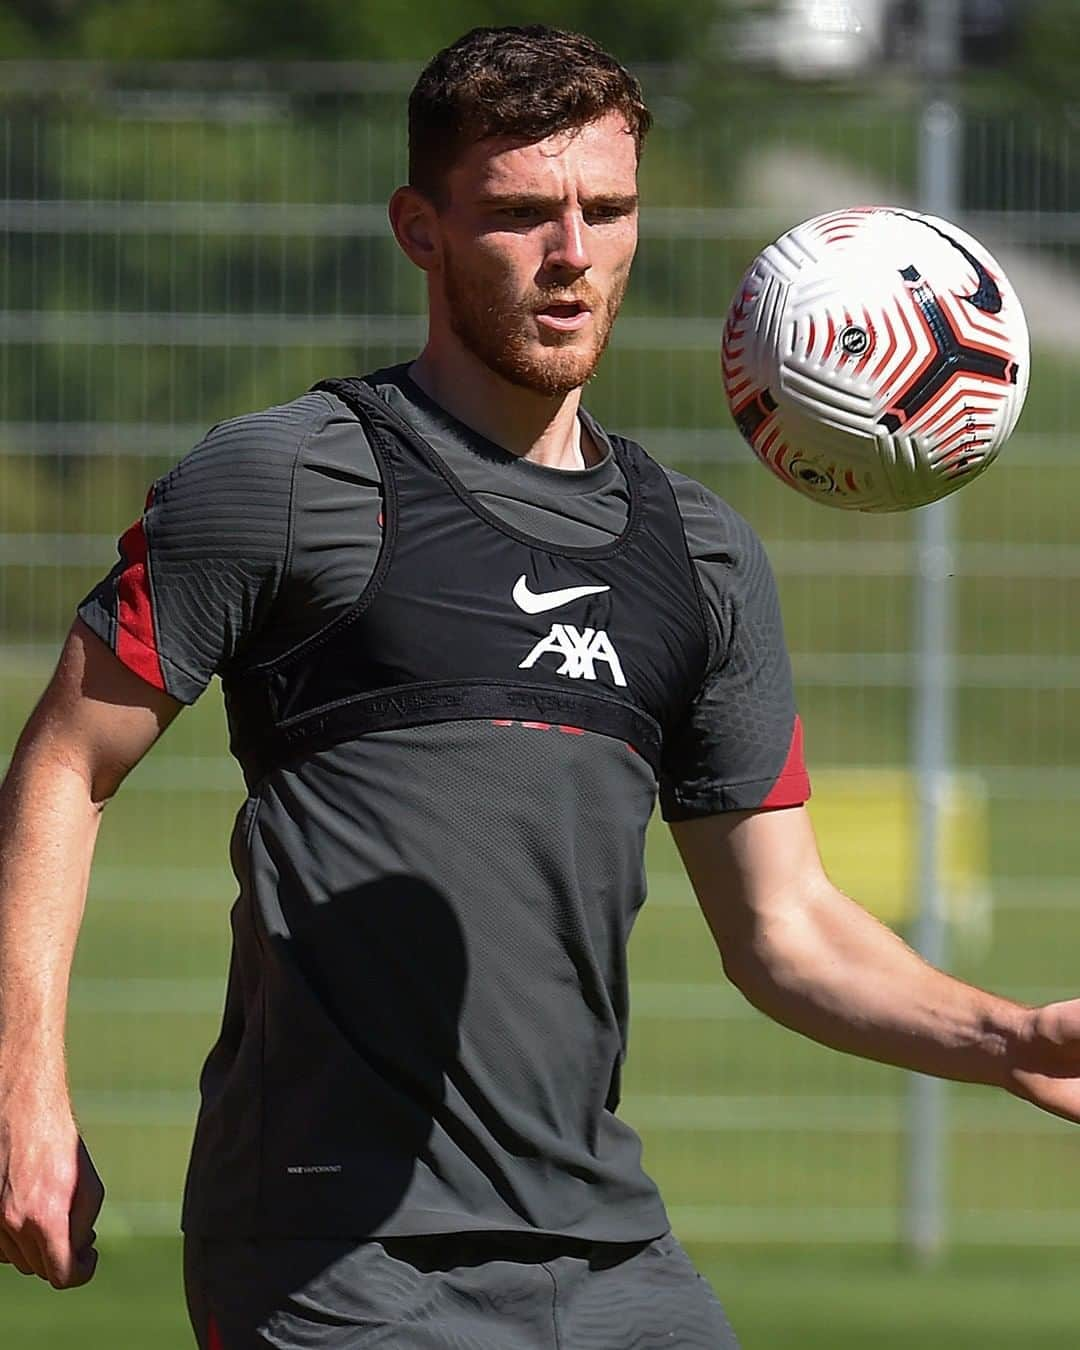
[867, 826]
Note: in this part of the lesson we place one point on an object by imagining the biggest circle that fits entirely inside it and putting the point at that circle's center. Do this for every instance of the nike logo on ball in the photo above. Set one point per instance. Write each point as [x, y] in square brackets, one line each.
[988, 297]
[540, 602]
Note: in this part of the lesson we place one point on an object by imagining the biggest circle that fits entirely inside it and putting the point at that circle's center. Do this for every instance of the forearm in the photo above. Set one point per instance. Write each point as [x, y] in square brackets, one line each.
[826, 968]
[48, 826]
[814, 960]
[93, 723]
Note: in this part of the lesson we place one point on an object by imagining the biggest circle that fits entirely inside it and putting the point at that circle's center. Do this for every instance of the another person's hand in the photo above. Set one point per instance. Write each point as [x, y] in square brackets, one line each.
[50, 1196]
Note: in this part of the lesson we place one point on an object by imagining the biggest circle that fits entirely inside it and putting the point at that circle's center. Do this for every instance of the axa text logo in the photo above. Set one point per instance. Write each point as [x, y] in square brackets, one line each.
[581, 650]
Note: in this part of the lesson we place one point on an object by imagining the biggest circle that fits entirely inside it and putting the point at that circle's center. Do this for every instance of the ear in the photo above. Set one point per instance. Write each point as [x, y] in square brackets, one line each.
[415, 223]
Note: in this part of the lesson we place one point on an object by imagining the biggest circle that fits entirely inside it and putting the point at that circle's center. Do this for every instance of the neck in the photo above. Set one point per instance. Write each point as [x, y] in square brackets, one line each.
[539, 427]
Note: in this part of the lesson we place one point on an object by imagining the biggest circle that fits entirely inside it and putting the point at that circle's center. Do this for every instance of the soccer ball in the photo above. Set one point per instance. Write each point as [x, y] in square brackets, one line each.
[875, 359]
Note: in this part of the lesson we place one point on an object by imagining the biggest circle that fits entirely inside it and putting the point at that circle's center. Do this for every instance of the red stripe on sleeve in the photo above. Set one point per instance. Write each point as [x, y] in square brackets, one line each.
[213, 1336]
[792, 786]
[135, 642]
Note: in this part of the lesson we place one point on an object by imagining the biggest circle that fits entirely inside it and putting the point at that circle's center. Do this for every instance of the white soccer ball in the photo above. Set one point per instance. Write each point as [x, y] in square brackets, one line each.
[875, 359]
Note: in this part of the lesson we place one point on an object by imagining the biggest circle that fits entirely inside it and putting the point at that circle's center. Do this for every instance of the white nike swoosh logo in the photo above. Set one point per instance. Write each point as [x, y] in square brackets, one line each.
[533, 603]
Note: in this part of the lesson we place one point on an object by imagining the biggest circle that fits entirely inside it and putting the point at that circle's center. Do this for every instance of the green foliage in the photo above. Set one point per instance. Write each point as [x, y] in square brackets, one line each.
[340, 30]
[17, 38]
[125, 30]
[1049, 55]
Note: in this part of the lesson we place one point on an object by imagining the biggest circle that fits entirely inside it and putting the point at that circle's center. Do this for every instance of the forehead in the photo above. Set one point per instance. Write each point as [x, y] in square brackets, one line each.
[596, 158]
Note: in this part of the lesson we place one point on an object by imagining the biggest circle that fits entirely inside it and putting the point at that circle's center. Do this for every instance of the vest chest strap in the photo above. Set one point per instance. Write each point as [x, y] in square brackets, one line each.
[424, 704]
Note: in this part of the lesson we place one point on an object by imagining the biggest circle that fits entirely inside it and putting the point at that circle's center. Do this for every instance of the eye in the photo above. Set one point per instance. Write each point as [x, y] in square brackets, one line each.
[603, 212]
[519, 212]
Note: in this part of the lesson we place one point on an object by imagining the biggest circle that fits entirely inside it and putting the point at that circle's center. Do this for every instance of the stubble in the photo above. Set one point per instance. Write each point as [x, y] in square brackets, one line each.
[501, 331]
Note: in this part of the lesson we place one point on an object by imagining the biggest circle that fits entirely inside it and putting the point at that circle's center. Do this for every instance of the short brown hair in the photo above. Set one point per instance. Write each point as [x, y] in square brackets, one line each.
[525, 82]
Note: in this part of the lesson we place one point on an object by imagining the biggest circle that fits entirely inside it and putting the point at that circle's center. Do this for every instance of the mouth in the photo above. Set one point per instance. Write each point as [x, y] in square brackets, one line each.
[564, 316]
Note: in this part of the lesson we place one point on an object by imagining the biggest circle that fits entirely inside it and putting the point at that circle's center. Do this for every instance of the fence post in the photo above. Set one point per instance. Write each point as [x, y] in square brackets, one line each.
[939, 165]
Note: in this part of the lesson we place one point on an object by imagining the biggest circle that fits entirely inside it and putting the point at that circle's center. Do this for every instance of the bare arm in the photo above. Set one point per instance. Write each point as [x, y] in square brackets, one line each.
[94, 722]
[814, 960]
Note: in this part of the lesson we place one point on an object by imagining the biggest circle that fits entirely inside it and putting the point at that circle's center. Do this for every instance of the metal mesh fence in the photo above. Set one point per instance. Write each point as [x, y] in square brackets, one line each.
[187, 244]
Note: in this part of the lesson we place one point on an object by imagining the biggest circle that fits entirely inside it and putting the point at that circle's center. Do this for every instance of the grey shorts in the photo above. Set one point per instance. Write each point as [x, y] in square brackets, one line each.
[494, 1292]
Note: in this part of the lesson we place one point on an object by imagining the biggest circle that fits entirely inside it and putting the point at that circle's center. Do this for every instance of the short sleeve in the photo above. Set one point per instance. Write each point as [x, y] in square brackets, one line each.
[740, 744]
[198, 572]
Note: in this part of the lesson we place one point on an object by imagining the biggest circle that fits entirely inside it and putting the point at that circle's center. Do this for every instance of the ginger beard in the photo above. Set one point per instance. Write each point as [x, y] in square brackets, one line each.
[500, 329]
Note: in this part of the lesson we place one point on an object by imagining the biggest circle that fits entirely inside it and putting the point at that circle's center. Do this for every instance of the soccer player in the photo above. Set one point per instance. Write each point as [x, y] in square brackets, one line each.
[466, 636]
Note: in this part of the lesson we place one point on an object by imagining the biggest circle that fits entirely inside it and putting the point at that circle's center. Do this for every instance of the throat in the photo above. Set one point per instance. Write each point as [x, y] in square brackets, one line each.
[541, 428]
[569, 453]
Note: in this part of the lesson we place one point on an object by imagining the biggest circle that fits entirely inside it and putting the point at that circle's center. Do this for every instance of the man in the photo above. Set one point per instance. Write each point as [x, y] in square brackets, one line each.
[465, 635]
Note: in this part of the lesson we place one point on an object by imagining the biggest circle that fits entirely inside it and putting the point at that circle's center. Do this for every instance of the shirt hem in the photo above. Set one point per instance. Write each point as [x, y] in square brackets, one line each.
[788, 790]
[642, 1227]
[102, 624]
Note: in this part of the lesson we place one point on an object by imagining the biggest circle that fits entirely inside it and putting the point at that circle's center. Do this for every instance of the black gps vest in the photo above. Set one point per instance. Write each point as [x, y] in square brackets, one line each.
[466, 617]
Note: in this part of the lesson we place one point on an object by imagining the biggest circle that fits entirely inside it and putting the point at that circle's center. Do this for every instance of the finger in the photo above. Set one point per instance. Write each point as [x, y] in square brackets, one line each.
[86, 1202]
[11, 1255]
[58, 1260]
[85, 1207]
[28, 1252]
[62, 1263]
[59, 1246]
[83, 1266]
[22, 1253]
[1059, 1096]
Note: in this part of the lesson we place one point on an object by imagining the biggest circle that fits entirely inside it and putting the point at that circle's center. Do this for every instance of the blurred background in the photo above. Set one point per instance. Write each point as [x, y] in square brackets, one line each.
[193, 226]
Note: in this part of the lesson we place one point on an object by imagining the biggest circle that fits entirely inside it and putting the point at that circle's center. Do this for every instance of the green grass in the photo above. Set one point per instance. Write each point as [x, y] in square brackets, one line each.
[788, 1153]
[778, 1298]
[753, 1133]
[158, 913]
[856, 1298]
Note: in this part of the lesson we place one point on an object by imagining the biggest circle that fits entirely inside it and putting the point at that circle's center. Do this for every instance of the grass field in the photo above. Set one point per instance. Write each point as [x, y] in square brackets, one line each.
[782, 1163]
[760, 1140]
[779, 1298]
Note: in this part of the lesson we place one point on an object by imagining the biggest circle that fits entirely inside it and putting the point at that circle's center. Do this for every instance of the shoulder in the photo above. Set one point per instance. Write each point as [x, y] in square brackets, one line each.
[732, 567]
[234, 489]
[267, 437]
[250, 461]
[722, 543]
[715, 532]
[250, 455]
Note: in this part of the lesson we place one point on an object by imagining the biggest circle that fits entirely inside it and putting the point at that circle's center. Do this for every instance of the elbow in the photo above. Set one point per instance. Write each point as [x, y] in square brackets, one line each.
[747, 971]
[768, 967]
[43, 776]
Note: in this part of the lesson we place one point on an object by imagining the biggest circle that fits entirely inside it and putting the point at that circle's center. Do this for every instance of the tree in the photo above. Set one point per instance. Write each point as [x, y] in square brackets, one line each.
[648, 30]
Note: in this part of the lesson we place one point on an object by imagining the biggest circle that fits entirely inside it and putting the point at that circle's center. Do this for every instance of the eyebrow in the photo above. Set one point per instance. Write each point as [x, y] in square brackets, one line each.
[623, 200]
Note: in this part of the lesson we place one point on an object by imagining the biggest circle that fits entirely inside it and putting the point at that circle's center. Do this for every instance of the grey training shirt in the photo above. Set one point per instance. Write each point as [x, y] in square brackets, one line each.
[427, 1006]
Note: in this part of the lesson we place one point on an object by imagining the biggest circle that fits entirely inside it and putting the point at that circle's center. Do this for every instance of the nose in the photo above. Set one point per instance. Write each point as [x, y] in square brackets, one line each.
[568, 251]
